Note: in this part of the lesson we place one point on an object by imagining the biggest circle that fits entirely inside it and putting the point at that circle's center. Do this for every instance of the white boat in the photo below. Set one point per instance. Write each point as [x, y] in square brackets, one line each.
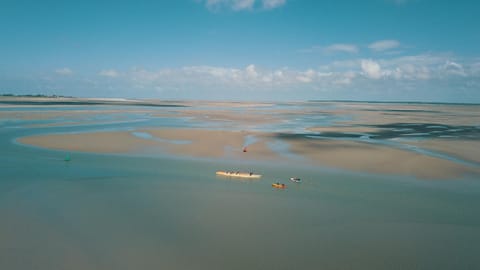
[238, 174]
[296, 180]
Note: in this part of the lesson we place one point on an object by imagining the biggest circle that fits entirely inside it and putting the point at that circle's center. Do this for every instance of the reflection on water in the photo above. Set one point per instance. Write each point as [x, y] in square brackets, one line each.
[123, 212]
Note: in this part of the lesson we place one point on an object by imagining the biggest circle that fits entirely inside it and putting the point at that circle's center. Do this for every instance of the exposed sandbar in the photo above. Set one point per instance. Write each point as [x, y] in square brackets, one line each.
[183, 142]
[212, 143]
[98, 142]
[358, 156]
[464, 149]
[350, 155]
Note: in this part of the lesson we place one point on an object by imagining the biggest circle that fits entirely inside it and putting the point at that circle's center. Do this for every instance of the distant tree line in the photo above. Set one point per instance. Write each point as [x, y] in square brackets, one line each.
[35, 96]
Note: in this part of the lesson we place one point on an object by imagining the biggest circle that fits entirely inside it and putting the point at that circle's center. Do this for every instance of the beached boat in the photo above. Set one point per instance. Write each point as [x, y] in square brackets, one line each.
[239, 174]
[296, 180]
[278, 185]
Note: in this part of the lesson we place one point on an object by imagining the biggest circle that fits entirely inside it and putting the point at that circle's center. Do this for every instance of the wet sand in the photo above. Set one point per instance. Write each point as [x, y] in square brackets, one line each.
[465, 149]
[244, 116]
[358, 156]
[349, 155]
[378, 113]
[98, 142]
[181, 142]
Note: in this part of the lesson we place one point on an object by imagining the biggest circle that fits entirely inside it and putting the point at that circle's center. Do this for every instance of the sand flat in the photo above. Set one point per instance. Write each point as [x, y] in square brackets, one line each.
[239, 122]
[214, 143]
[98, 142]
[349, 155]
[195, 143]
[464, 149]
[358, 156]
[380, 114]
[203, 143]
[240, 117]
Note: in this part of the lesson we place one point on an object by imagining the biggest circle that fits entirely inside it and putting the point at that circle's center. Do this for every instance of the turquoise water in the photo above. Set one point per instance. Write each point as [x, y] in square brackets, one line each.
[103, 211]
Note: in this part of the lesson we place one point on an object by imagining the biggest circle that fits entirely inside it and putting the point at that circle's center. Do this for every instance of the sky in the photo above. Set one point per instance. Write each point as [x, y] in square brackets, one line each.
[378, 50]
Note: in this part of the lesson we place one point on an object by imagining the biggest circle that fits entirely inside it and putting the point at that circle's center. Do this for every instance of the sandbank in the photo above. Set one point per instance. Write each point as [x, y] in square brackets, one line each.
[221, 144]
[213, 143]
[468, 150]
[239, 117]
[98, 142]
[380, 114]
[358, 156]
[182, 142]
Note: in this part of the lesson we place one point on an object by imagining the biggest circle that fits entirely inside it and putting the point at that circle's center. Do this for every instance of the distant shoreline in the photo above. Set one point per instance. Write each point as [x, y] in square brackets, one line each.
[393, 102]
[40, 99]
[58, 100]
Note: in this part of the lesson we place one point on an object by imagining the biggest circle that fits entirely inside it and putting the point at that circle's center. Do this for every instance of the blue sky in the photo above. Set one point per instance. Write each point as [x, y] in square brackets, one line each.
[396, 50]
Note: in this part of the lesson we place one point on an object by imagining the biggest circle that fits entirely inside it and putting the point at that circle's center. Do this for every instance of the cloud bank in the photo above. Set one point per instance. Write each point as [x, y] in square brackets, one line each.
[428, 76]
[357, 73]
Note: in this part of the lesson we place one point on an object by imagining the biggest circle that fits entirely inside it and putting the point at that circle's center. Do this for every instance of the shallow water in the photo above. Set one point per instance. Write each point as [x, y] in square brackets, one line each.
[101, 211]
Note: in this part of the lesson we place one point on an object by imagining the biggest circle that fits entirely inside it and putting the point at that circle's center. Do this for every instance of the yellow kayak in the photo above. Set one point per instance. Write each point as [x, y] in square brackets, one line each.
[278, 185]
[238, 174]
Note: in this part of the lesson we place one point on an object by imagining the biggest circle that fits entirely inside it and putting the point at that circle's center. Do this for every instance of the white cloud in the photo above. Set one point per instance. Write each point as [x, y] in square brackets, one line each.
[345, 78]
[402, 69]
[238, 5]
[475, 68]
[409, 72]
[371, 69]
[270, 4]
[419, 67]
[383, 45]
[109, 73]
[453, 68]
[251, 72]
[278, 74]
[347, 48]
[242, 4]
[207, 70]
[64, 71]
[307, 76]
[211, 3]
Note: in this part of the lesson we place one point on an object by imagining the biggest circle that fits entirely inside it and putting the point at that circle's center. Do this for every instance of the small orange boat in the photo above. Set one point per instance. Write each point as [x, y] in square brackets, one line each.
[278, 185]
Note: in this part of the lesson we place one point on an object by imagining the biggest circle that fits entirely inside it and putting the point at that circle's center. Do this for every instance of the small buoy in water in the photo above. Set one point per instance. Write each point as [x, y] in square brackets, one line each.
[67, 158]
